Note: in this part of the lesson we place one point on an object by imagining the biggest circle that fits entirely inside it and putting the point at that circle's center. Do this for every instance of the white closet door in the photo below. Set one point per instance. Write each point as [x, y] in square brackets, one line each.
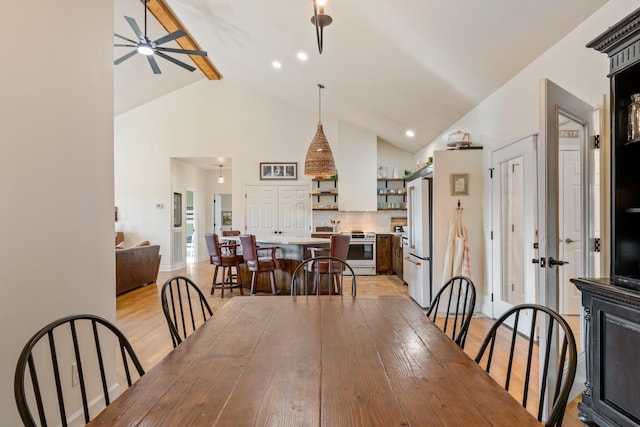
[278, 209]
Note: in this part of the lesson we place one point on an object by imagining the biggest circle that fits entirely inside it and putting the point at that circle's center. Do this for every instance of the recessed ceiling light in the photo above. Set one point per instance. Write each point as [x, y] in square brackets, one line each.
[276, 64]
[302, 56]
[410, 133]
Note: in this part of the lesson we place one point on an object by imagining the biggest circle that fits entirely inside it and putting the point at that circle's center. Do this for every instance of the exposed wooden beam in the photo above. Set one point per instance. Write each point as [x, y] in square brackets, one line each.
[171, 23]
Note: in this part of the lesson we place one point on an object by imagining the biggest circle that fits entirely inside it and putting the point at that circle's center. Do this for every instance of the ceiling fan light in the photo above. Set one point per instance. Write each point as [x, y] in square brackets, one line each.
[145, 50]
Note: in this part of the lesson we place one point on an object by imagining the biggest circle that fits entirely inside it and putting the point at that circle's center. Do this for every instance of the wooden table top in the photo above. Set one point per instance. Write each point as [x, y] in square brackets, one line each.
[316, 361]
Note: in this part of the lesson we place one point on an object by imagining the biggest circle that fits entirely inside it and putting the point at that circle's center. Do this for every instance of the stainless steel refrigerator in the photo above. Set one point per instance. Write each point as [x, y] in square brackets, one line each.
[417, 255]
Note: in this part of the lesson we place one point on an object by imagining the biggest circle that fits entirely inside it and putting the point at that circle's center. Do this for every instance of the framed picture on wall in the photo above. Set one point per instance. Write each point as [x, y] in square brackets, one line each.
[226, 218]
[177, 209]
[279, 170]
[459, 184]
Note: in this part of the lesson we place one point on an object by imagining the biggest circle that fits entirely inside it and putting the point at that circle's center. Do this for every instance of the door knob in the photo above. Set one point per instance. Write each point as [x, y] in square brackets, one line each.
[570, 240]
[553, 261]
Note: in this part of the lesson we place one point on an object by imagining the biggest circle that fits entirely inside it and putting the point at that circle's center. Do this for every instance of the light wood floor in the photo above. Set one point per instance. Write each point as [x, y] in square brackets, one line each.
[139, 315]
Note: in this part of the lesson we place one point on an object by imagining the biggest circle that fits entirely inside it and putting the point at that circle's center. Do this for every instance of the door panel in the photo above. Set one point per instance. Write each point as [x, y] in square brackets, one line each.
[570, 229]
[558, 107]
[278, 209]
[513, 214]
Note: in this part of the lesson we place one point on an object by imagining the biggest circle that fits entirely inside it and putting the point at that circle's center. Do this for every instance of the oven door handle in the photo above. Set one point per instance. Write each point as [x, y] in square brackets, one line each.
[412, 261]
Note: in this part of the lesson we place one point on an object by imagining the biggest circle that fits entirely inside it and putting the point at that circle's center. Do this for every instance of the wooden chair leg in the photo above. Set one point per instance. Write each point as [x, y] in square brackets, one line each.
[272, 277]
[253, 283]
[213, 282]
[225, 272]
[238, 280]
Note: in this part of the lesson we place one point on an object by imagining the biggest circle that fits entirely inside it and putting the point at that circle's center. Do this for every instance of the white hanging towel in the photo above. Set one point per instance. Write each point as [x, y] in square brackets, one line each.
[457, 258]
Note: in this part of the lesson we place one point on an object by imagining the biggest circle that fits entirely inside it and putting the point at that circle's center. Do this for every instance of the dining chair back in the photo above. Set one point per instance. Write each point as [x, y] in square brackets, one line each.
[184, 306]
[338, 248]
[259, 260]
[458, 298]
[226, 233]
[84, 342]
[224, 256]
[505, 338]
[335, 267]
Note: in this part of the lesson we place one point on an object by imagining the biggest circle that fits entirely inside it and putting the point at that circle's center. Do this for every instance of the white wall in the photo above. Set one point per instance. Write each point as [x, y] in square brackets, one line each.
[356, 162]
[56, 133]
[391, 157]
[512, 111]
[216, 119]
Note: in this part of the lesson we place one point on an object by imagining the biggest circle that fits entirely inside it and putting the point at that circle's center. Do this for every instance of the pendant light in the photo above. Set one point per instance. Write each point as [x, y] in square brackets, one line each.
[319, 161]
[320, 20]
[220, 178]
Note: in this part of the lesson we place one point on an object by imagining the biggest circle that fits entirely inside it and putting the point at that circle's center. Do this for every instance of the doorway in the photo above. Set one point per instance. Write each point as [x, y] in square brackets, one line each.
[222, 214]
[566, 209]
[191, 243]
[513, 192]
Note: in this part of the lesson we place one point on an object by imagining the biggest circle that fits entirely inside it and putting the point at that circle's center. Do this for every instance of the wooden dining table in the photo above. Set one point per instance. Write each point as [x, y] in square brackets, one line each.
[316, 361]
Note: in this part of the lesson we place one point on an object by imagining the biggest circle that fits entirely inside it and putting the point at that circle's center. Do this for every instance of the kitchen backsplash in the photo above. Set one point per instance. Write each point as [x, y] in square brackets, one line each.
[378, 222]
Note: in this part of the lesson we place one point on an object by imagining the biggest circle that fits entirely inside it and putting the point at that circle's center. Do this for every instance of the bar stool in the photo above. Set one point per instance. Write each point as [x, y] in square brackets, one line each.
[259, 264]
[224, 255]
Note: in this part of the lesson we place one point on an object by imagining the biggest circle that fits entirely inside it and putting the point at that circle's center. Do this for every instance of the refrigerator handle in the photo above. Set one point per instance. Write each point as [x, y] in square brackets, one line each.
[412, 261]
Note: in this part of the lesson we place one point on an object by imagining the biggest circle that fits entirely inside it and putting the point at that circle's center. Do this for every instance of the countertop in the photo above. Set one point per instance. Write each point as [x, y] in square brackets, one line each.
[285, 240]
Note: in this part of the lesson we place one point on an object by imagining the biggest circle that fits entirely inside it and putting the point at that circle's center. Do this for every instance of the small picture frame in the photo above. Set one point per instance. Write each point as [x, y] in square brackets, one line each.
[278, 170]
[226, 218]
[177, 210]
[459, 184]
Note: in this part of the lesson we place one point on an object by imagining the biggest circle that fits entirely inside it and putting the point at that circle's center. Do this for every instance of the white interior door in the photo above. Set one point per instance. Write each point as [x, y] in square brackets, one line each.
[570, 244]
[278, 209]
[558, 107]
[262, 209]
[294, 210]
[513, 189]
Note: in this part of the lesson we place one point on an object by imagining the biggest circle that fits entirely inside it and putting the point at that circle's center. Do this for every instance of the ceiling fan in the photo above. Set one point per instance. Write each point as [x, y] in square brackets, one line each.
[150, 48]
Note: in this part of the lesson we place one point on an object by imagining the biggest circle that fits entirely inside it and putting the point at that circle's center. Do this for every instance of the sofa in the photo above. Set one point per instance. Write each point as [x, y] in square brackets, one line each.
[136, 266]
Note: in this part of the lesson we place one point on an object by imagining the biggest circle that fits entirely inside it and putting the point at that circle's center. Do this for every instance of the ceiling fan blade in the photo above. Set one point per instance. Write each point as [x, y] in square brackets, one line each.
[126, 45]
[175, 61]
[124, 38]
[134, 26]
[154, 64]
[169, 37]
[185, 51]
[124, 58]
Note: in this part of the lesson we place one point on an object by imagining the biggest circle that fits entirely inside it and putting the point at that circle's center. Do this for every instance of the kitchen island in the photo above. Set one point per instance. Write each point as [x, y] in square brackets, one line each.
[292, 250]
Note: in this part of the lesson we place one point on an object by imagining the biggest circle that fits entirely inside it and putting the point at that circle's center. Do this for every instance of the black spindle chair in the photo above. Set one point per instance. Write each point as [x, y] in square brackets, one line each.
[46, 367]
[336, 269]
[512, 340]
[184, 306]
[460, 295]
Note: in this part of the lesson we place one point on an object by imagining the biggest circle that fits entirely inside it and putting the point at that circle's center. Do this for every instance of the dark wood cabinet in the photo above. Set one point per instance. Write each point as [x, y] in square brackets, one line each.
[396, 255]
[383, 254]
[612, 316]
[612, 305]
[622, 44]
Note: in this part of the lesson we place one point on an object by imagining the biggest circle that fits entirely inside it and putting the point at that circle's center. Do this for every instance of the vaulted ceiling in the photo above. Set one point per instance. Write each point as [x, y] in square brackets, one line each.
[387, 66]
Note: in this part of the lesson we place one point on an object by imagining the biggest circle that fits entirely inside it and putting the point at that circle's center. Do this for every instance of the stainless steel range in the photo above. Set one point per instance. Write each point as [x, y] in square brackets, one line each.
[362, 253]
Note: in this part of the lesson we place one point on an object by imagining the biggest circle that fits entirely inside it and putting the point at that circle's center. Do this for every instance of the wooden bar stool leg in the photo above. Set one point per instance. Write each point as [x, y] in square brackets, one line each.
[225, 272]
[213, 282]
[238, 279]
[253, 283]
[272, 278]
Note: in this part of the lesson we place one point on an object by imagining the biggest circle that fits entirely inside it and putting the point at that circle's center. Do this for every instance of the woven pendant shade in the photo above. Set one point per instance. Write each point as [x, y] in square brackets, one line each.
[319, 161]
